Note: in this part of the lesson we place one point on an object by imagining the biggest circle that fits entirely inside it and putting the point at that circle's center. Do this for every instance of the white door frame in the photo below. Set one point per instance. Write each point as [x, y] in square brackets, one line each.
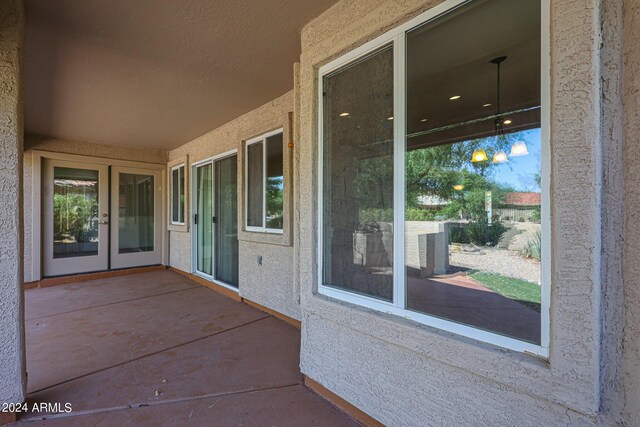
[194, 211]
[136, 259]
[37, 160]
[78, 264]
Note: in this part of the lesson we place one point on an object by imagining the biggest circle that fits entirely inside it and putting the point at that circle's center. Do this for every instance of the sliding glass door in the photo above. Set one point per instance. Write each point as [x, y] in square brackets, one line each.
[226, 224]
[203, 220]
[215, 220]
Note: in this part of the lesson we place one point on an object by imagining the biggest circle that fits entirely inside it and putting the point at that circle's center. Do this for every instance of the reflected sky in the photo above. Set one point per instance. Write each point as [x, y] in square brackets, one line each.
[520, 172]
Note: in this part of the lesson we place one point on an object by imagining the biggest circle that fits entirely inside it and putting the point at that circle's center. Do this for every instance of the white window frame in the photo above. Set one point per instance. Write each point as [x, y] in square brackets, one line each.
[184, 194]
[260, 139]
[396, 38]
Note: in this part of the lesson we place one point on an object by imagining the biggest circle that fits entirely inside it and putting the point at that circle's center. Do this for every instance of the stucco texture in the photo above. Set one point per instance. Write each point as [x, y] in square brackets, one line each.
[12, 355]
[405, 374]
[272, 284]
[631, 93]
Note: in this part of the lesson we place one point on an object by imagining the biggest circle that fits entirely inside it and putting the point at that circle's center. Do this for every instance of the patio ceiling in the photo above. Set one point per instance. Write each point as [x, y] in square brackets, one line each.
[156, 73]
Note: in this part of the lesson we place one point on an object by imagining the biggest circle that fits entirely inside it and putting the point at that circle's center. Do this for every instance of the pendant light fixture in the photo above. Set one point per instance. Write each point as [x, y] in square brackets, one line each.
[519, 148]
[479, 155]
[500, 156]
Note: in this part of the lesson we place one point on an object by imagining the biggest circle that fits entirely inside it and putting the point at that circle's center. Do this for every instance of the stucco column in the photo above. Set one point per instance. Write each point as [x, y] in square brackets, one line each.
[631, 94]
[12, 354]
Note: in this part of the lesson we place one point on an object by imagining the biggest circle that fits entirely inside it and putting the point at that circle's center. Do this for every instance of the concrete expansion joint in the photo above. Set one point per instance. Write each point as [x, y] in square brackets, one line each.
[150, 354]
[163, 402]
[114, 303]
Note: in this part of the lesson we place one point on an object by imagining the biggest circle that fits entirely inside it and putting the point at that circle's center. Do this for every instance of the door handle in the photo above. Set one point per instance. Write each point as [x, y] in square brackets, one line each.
[103, 222]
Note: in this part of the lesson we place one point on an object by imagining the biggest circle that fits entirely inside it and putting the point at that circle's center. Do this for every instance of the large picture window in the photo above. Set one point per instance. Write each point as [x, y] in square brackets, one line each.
[433, 174]
[264, 179]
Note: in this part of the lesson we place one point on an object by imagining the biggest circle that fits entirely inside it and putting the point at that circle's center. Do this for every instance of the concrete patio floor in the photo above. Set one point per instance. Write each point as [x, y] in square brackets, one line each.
[158, 349]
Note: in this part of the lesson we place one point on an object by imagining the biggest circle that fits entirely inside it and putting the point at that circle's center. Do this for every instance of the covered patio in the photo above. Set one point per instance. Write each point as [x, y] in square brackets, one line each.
[158, 348]
[319, 212]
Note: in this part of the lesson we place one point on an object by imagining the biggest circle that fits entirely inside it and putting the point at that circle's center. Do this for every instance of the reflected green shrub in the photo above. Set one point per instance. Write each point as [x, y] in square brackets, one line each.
[72, 215]
[532, 249]
[386, 215]
[477, 233]
[535, 216]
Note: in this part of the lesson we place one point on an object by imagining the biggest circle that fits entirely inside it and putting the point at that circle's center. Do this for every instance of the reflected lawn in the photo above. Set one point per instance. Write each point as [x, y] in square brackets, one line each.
[524, 292]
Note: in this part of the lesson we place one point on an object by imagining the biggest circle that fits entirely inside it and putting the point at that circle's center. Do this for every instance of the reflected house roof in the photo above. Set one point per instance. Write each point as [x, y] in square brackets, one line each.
[73, 183]
[429, 200]
[522, 199]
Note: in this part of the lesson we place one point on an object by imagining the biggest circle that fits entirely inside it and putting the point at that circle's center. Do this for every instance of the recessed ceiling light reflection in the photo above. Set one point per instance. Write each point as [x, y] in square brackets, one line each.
[423, 120]
[507, 122]
[344, 114]
[486, 105]
[390, 118]
[454, 98]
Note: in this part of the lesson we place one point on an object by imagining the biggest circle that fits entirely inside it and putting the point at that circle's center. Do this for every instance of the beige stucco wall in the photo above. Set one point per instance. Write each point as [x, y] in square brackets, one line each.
[56, 145]
[631, 93]
[403, 373]
[272, 284]
[12, 354]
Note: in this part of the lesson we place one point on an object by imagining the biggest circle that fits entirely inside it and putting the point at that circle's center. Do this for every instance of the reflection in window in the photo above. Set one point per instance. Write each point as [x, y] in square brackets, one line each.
[265, 183]
[358, 177]
[471, 175]
[75, 212]
[177, 195]
[275, 183]
[472, 230]
[255, 189]
[136, 213]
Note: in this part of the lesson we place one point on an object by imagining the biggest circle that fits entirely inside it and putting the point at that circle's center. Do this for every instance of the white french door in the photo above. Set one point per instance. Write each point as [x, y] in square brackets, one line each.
[76, 217]
[94, 220]
[136, 227]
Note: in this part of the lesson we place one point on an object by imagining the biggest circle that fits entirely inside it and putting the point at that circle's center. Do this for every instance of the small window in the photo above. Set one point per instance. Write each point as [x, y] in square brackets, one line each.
[177, 195]
[265, 183]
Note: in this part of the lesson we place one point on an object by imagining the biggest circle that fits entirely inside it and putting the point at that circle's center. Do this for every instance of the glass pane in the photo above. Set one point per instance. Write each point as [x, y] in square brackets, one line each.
[226, 236]
[75, 212]
[358, 177]
[255, 190]
[181, 192]
[175, 195]
[205, 216]
[275, 182]
[472, 231]
[136, 213]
